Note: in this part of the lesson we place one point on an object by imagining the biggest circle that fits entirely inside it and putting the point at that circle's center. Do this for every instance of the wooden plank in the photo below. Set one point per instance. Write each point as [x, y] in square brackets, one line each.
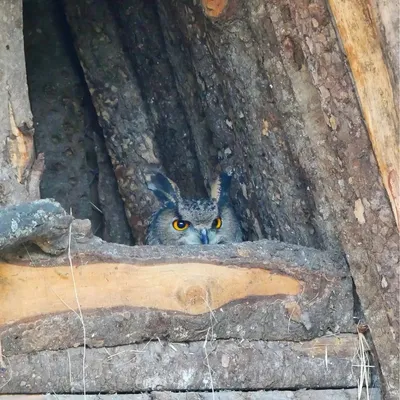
[331, 394]
[230, 365]
[259, 291]
[361, 43]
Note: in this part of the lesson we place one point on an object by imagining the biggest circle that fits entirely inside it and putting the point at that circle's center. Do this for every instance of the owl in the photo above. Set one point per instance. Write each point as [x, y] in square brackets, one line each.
[186, 221]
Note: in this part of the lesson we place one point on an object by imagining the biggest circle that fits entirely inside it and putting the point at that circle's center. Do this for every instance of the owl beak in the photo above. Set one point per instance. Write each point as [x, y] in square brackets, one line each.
[204, 236]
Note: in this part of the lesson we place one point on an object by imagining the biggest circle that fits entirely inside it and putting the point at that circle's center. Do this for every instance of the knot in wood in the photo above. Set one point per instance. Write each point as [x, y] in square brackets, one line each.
[194, 297]
[214, 8]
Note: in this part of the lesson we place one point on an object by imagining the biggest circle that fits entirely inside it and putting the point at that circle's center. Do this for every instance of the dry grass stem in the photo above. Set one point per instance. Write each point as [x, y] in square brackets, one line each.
[95, 207]
[69, 369]
[361, 355]
[2, 363]
[79, 311]
[210, 331]
[326, 357]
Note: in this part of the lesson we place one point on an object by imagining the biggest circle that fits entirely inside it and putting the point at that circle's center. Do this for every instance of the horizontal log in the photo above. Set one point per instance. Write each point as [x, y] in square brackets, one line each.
[331, 394]
[230, 364]
[260, 291]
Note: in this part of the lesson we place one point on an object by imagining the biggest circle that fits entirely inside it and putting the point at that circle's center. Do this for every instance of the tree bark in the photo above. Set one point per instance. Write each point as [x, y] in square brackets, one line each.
[322, 363]
[119, 105]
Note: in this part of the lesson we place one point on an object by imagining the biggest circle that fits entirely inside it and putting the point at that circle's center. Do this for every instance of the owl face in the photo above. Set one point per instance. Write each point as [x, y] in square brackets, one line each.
[186, 221]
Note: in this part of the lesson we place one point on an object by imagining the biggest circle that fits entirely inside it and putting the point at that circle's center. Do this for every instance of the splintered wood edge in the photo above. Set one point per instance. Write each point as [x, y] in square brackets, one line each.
[191, 288]
[362, 46]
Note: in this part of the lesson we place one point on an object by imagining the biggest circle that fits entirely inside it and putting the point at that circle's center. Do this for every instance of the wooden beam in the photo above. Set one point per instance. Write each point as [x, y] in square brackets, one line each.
[360, 39]
[264, 290]
[305, 394]
[326, 362]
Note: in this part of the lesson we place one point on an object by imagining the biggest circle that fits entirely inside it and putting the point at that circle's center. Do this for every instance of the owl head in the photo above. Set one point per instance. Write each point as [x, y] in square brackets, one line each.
[190, 221]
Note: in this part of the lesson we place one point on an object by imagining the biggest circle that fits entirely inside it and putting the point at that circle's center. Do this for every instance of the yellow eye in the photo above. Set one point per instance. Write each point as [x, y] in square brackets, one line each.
[180, 225]
[217, 223]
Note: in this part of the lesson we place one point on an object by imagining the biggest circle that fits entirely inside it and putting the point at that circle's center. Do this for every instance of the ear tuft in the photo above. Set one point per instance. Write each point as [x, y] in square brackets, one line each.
[164, 188]
[220, 188]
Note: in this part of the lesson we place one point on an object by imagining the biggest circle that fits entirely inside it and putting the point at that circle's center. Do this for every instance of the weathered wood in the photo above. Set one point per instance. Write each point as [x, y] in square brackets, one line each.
[235, 123]
[120, 108]
[386, 19]
[321, 363]
[360, 40]
[43, 222]
[329, 394]
[264, 290]
[19, 174]
[143, 40]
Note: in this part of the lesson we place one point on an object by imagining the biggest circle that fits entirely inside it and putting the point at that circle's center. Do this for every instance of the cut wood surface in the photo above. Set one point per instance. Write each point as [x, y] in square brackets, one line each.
[265, 290]
[328, 394]
[361, 42]
[234, 364]
[192, 288]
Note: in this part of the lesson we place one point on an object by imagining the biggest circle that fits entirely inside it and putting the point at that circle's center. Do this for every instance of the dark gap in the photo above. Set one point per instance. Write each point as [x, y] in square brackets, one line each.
[219, 390]
[87, 137]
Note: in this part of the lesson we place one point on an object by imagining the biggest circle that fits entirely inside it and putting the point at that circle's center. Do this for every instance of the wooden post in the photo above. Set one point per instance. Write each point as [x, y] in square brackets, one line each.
[360, 40]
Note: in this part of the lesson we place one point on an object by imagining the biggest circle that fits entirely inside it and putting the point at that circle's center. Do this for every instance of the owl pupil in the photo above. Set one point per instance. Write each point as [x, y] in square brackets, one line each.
[181, 224]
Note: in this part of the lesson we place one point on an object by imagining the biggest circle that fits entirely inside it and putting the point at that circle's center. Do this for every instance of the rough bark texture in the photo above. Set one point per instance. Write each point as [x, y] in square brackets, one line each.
[324, 303]
[19, 175]
[235, 122]
[331, 394]
[157, 365]
[119, 105]
[143, 40]
[43, 222]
